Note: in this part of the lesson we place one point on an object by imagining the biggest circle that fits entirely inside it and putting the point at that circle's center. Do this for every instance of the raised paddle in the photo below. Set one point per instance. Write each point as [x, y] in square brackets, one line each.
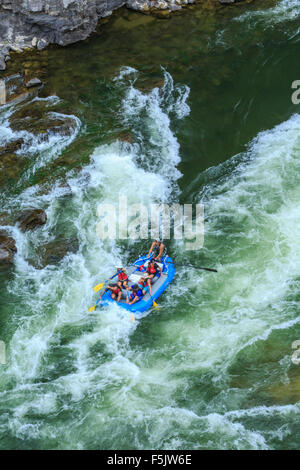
[191, 266]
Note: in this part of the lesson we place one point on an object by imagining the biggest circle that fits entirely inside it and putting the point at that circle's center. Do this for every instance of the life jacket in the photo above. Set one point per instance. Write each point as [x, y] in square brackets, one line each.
[116, 290]
[122, 276]
[152, 268]
[142, 284]
[138, 293]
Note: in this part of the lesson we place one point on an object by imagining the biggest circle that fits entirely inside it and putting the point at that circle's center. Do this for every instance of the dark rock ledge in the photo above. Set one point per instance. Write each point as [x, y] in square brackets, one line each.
[28, 24]
[7, 248]
[47, 253]
[28, 220]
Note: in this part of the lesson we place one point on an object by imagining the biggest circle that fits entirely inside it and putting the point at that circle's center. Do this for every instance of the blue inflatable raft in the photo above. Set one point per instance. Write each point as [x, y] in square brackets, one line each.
[158, 285]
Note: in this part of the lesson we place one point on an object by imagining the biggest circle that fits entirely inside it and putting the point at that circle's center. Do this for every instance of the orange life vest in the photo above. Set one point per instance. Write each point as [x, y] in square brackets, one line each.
[116, 290]
[122, 276]
[152, 268]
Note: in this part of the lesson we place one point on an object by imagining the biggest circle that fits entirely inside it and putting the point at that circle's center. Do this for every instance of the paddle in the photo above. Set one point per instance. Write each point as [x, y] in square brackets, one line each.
[100, 286]
[93, 308]
[191, 266]
[155, 305]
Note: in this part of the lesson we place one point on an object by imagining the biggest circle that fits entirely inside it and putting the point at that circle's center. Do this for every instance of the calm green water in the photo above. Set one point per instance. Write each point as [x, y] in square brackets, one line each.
[205, 102]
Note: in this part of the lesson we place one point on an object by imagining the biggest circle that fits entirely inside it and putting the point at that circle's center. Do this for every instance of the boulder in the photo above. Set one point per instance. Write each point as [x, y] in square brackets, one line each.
[7, 248]
[31, 219]
[6, 219]
[126, 136]
[38, 23]
[2, 63]
[11, 164]
[53, 252]
[12, 147]
[13, 89]
[37, 118]
[33, 82]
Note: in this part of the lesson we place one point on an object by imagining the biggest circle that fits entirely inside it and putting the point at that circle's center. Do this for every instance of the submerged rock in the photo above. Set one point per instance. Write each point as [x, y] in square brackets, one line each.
[12, 146]
[54, 252]
[32, 219]
[33, 82]
[162, 14]
[10, 163]
[6, 219]
[5, 256]
[7, 248]
[10, 168]
[13, 89]
[126, 136]
[2, 63]
[39, 119]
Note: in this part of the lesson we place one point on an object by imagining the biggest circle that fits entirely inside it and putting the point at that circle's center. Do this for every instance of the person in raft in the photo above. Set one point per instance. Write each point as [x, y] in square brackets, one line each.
[136, 294]
[143, 284]
[152, 270]
[116, 292]
[158, 248]
[122, 277]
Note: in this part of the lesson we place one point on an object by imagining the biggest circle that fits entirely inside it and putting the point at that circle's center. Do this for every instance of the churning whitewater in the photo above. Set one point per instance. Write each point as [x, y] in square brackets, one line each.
[55, 298]
[82, 368]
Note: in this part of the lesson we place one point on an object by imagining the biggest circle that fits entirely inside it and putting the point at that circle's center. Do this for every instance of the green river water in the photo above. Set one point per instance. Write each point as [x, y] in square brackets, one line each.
[196, 108]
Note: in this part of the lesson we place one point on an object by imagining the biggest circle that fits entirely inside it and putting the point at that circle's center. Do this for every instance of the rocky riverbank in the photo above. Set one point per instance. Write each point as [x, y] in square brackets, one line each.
[38, 23]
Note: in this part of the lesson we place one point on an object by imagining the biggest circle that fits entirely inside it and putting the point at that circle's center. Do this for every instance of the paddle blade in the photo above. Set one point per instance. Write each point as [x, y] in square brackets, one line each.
[92, 309]
[155, 304]
[98, 287]
[209, 269]
[132, 318]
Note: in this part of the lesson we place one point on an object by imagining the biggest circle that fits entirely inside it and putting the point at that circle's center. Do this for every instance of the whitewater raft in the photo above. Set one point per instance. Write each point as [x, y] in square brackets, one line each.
[158, 285]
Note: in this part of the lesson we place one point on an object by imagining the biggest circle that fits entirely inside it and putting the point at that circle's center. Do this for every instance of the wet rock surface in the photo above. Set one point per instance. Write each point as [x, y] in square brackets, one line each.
[13, 89]
[31, 23]
[6, 219]
[36, 24]
[11, 164]
[31, 219]
[7, 248]
[33, 82]
[41, 120]
[53, 252]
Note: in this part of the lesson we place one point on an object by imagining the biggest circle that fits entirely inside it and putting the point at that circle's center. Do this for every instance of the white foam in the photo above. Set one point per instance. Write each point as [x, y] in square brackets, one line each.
[45, 146]
[58, 295]
[284, 10]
